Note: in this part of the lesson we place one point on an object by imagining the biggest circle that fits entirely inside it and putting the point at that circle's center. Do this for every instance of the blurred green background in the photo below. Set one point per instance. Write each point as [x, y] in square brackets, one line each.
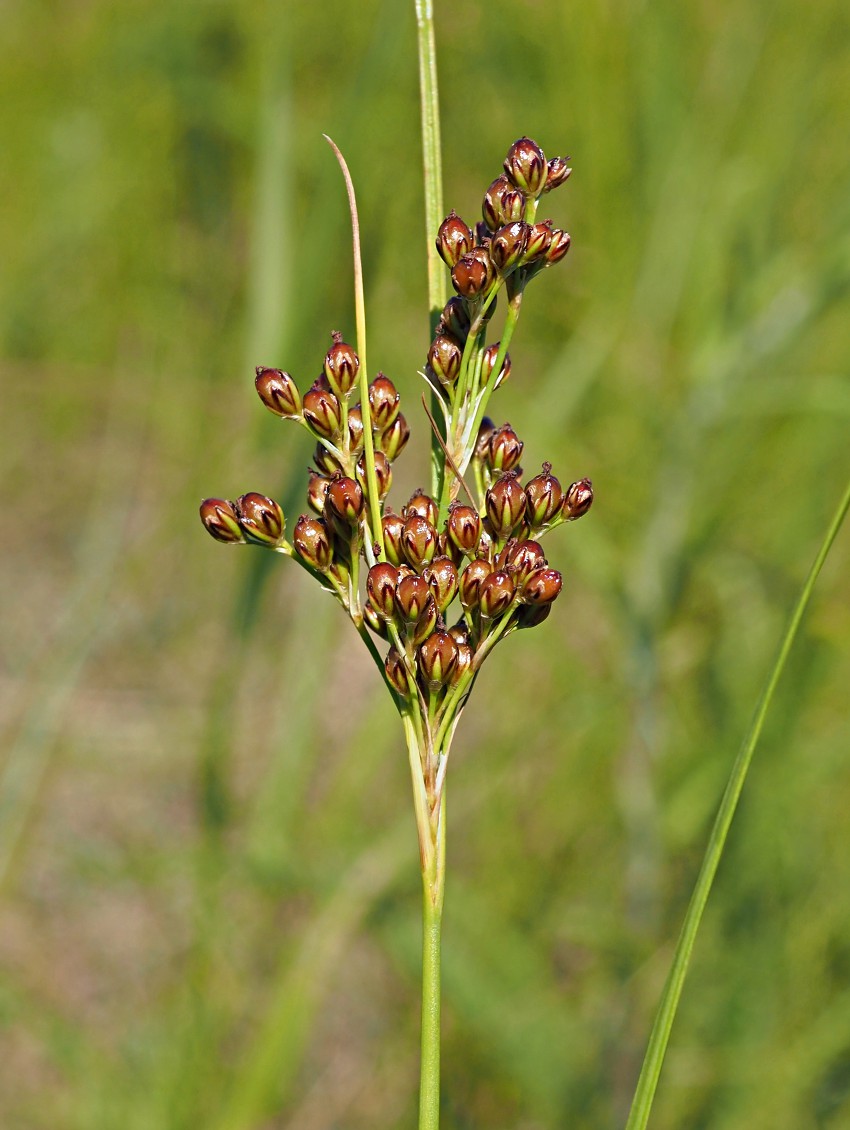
[209, 910]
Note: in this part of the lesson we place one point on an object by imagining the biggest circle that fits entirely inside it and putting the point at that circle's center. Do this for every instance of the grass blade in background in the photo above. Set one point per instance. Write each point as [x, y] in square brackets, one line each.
[653, 1061]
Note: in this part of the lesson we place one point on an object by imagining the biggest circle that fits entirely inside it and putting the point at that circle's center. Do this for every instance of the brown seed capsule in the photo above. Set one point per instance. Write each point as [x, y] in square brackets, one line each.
[453, 239]
[261, 518]
[326, 462]
[496, 594]
[444, 358]
[383, 474]
[381, 581]
[317, 488]
[557, 172]
[539, 241]
[464, 661]
[383, 401]
[502, 204]
[221, 520]
[396, 672]
[578, 499]
[545, 495]
[426, 623]
[470, 581]
[473, 274]
[312, 541]
[322, 412]
[437, 659]
[441, 576]
[374, 621]
[454, 319]
[393, 439]
[488, 361]
[530, 615]
[341, 366]
[505, 449]
[525, 166]
[392, 526]
[422, 504]
[559, 246]
[411, 597]
[355, 429]
[278, 392]
[419, 541]
[344, 501]
[508, 245]
[463, 527]
[505, 503]
[542, 586]
[522, 558]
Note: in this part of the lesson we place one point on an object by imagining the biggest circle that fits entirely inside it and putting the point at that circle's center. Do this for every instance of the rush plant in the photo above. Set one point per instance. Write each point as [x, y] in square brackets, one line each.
[435, 585]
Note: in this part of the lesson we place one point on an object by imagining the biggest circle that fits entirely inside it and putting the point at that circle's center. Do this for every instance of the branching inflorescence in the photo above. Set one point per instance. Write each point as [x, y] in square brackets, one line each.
[461, 567]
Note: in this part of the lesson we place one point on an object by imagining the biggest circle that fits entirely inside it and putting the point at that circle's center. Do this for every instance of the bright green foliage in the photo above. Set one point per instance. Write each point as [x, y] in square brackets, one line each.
[210, 896]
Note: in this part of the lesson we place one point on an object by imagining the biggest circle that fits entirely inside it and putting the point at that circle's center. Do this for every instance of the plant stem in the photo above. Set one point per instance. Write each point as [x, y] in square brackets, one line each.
[651, 1070]
[433, 889]
[433, 176]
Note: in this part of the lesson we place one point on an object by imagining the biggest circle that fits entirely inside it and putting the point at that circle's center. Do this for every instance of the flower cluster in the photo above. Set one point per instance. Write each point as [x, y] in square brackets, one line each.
[459, 567]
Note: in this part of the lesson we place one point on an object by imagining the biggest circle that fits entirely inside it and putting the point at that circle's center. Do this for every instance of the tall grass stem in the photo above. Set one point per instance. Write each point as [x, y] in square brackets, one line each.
[660, 1035]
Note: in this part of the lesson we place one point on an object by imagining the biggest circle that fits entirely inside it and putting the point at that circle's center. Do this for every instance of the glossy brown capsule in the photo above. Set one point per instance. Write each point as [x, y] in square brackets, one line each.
[470, 581]
[444, 358]
[441, 575]
[545, 495]
[496, 594]
[341, 366]
[578, 499]
[557, 171]
[473, 274]
[344, 500]
[488, 362]
[505, 449]
[411, 597]
[317, 489]
[454, 319]
[437, 659]
[397, 672]
[463, 527]
[508, 245]
[260, 518]
[418, 540]
[422, 504]
[393, 439]
[542, 586]
[505, 503]
[392, 526]
[526, 166]
[278, 392]
[383, 402]
[313, 542]
[523, 558]
[322, 412]
[381, 582]
[454, 238]
[221, 520]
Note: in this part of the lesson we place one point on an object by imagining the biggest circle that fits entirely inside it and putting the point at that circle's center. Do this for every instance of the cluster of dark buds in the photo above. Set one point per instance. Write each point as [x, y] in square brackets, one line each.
[458, 568]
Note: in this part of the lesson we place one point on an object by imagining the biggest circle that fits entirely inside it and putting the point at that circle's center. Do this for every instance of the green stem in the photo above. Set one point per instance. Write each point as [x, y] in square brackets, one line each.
[433, 890]
[433, 176]
[651, 1070]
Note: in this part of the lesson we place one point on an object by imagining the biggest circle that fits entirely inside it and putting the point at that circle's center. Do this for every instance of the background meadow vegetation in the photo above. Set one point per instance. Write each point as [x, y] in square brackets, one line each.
[209, 897]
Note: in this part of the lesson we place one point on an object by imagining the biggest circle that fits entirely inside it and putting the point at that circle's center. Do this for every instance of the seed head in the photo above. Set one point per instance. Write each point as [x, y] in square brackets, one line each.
[422, 504]
[419, 540]
[473, 273]
[396, 672]
[344, 501]
[545, 495]
[381, 581]
[508, 245]
[392, 526]
[542, 586]
[557, 171]
[437, 659]
[470, 581]
[505, 503]
[496, 594]
[505, 449]
[463, 526]
[441, 575]
[444, 358]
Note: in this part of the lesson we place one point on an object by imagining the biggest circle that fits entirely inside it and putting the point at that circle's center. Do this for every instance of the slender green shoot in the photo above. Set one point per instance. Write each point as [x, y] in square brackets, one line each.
[660, 1035]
